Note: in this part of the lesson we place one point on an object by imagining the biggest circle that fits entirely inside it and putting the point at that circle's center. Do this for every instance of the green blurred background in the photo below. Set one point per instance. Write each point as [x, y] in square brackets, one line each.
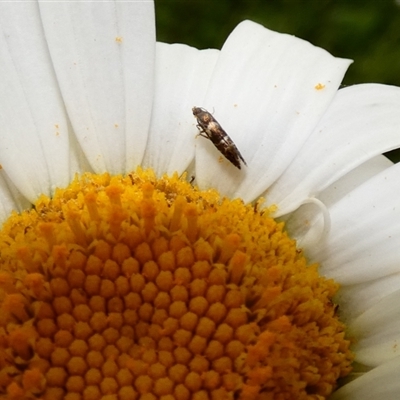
[366, 31]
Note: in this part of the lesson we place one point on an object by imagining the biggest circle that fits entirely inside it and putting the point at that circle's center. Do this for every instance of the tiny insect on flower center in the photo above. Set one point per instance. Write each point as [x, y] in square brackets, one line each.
[137, 287]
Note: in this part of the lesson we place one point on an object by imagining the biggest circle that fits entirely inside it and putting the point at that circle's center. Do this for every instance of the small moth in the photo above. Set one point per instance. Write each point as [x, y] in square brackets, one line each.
[210, 129]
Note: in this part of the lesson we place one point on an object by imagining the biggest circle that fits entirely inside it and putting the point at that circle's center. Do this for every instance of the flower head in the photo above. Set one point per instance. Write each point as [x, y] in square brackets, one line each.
[133, 286]
[131, 283]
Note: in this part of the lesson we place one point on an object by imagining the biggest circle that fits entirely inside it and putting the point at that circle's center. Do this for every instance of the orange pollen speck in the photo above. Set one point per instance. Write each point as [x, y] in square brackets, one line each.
[127, 288]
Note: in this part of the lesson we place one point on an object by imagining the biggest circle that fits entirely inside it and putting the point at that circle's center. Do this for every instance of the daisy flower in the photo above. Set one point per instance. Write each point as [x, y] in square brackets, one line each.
[136, 262]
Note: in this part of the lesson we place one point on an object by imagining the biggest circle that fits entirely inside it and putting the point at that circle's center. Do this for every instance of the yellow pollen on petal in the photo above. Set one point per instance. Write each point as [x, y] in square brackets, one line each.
[122, 288]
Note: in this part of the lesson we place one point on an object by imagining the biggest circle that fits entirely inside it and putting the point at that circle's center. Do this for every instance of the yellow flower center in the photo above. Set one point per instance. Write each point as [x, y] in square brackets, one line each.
[141, 288]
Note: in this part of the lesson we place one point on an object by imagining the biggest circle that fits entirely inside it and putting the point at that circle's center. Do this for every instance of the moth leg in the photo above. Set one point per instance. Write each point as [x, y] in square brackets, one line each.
[202, 132]
[202, 135]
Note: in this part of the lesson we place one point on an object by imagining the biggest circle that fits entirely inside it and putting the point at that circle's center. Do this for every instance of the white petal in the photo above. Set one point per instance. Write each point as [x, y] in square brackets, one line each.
[380, 383]
[265, 94]
[11, 198]
[353, 179]
[363, 243]
[356, 299]
[377, 331]
[103, 55]
[308, 224]
[363, 121]
[181, 78]
[34, 142]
